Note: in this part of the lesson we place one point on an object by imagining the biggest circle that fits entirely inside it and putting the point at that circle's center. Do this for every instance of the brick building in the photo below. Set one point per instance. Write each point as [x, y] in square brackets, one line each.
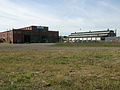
[32, 34]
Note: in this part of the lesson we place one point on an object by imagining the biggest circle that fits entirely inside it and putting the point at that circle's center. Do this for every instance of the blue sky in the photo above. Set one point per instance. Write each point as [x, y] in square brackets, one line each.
[66, 16]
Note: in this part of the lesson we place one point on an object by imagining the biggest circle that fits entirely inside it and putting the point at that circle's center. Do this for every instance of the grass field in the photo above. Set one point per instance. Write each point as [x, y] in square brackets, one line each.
[89, 44]
[60, 69]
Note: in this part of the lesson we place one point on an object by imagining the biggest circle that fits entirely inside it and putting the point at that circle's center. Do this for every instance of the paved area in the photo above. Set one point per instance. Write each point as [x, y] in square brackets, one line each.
[45, 46]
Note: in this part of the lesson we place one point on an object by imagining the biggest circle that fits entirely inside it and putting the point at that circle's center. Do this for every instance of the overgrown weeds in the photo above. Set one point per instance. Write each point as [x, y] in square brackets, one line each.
[60, 69]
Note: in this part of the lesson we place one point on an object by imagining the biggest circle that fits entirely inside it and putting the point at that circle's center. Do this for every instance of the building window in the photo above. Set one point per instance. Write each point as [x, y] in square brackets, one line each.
[56, 34]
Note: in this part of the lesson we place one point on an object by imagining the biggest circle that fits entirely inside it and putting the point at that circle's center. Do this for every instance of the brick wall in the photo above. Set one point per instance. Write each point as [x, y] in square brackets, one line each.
[31, 34]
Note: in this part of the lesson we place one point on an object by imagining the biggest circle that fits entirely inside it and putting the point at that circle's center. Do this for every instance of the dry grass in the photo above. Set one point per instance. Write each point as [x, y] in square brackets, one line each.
[60, 70]
[89, 44]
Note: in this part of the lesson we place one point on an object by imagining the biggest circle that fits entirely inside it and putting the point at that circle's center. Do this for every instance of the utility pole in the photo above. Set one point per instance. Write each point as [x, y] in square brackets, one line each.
[116, 32]
[80, 29]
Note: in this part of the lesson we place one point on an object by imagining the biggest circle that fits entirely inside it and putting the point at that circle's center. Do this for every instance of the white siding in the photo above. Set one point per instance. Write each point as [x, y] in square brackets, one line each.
[84, 38]
[81, 38]
[98, 38]
[89, 39]
[93, 38]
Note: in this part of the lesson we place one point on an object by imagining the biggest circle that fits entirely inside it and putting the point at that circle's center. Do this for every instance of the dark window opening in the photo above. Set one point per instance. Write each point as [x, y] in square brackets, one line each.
[26, 38]
[44, 39]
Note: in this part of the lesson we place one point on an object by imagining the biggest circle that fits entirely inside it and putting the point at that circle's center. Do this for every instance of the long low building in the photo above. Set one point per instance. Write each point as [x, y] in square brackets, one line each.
[32, 34]
[91, 36]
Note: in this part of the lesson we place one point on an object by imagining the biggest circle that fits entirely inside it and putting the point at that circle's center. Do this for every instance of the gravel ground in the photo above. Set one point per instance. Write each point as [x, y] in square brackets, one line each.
[45, 46]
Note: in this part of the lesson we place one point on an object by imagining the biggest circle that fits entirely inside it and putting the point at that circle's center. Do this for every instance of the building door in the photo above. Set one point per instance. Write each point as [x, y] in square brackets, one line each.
[26, 38]
[102, 38]
[44, 39]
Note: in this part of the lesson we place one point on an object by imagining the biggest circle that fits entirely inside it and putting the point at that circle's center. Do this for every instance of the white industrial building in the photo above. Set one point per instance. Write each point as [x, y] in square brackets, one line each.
[91, 36]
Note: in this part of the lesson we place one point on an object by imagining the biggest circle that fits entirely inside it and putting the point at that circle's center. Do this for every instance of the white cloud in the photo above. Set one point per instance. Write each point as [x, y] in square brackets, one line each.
[74, 15]
[12, 14]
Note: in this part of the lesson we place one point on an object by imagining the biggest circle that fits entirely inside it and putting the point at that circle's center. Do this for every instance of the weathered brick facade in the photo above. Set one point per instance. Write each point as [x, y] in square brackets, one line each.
[32, 34]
